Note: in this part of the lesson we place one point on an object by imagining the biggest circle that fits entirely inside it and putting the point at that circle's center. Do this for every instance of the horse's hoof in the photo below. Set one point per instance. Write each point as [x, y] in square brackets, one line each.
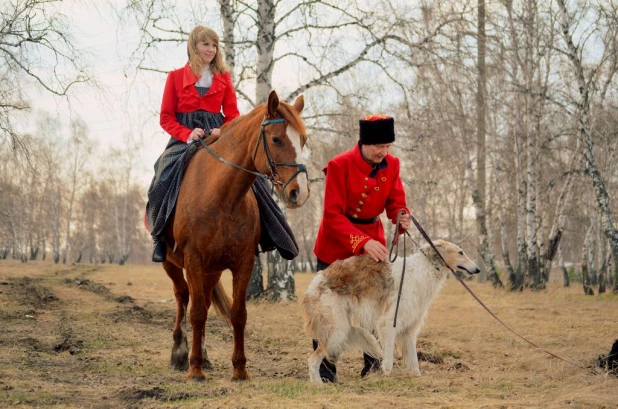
[179, 359]
[240, 376]
[196, 376]
[207, 365]
[179, 363]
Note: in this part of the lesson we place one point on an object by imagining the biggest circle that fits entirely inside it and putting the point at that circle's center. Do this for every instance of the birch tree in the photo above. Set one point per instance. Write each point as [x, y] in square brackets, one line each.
[36, 48]
[582, 116]
[78, 154]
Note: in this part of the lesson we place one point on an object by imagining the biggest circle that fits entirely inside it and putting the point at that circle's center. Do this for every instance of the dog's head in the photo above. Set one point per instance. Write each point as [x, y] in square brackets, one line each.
[453, 255]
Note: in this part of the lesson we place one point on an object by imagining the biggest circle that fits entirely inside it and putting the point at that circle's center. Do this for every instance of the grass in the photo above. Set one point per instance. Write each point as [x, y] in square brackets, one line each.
[118, 352]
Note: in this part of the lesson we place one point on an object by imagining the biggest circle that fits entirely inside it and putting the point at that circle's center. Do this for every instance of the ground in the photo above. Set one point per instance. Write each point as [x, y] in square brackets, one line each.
[79, 336]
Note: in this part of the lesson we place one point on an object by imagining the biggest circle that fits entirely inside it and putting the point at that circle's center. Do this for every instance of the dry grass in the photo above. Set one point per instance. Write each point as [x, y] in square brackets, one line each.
[70, 336]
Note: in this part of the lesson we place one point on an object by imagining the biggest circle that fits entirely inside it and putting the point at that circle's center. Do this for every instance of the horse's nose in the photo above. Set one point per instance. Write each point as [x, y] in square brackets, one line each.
[293, 196]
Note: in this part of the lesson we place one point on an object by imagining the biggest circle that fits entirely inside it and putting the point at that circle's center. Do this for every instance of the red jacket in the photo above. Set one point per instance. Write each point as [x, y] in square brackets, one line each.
[180, 95]
[351, 191]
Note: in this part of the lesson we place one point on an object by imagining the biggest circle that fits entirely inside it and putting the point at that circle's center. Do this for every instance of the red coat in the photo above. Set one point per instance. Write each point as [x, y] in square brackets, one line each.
[351, 191]
[180, 95]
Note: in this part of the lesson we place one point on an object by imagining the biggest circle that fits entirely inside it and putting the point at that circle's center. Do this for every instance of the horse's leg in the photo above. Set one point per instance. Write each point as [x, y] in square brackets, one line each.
[198, 317]
[179, 359]
[239, 317]
[209, 284]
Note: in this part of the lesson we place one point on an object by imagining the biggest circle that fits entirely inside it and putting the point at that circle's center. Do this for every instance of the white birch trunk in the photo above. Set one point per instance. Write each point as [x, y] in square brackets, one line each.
[583, 121]
[228, 17]
[565, 274]
[531, 137]
[265, 49]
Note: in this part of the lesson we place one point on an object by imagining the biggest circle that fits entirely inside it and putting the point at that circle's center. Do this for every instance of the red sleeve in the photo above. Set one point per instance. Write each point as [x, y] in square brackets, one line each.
[396, 200]
[342, 231]
[167, 117]
[229, 105]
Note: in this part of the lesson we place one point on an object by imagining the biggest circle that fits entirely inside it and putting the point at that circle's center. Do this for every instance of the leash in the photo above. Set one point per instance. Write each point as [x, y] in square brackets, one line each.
[420, 229]
[394, 243]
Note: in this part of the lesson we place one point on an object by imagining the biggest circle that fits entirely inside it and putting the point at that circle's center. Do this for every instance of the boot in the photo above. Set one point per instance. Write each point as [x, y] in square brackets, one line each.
[371, 365]
[160, 250]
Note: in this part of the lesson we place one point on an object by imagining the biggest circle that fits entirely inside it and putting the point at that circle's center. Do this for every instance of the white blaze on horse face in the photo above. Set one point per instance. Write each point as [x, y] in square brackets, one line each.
[303, 183]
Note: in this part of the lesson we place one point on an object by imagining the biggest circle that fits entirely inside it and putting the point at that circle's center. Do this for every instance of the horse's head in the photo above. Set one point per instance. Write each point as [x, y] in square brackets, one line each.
[284, 136]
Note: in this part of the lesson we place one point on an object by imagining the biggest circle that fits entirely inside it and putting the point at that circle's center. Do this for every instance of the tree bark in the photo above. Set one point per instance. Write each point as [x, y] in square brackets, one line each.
[587, 286]
[256, 284]
[583, 118]
[565, 274]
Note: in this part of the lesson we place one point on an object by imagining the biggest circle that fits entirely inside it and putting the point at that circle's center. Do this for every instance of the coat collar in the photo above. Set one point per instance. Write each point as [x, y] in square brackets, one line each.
[366, 167]
[219, 81]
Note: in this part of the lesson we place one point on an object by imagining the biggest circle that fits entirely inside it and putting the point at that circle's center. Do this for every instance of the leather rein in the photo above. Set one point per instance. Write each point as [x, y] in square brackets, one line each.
[272, 164]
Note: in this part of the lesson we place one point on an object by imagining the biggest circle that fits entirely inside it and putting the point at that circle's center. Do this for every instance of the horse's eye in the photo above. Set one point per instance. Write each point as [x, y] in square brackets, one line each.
[276, 140]
[460, 253]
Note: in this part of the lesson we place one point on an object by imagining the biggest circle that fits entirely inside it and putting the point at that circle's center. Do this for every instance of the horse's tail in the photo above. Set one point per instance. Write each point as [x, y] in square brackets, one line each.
[221, 301]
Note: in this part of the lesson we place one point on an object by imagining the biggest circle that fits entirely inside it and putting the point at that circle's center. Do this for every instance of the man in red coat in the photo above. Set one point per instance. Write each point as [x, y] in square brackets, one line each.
[360, 184]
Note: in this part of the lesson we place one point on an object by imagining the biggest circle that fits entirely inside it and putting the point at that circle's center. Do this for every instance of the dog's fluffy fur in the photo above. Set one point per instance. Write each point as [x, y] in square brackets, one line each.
[359, 290]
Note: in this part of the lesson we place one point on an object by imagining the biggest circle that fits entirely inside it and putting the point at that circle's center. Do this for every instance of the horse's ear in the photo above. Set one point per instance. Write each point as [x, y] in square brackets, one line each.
[273, 104]
[299, 104]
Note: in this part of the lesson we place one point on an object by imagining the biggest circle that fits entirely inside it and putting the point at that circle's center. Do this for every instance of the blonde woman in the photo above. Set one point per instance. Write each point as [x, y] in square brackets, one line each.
[198, 99]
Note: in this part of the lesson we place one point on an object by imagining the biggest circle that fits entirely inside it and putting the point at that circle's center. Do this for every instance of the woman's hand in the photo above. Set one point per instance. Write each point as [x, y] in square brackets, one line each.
[196, 135]
[215, 132]
[376, 250]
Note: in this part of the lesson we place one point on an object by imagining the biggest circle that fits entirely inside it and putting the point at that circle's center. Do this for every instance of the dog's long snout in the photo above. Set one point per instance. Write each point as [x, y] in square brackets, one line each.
[474, 270]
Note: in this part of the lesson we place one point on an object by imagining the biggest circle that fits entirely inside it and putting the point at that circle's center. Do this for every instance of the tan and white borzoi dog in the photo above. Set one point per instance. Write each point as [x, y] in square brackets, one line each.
[353, 297]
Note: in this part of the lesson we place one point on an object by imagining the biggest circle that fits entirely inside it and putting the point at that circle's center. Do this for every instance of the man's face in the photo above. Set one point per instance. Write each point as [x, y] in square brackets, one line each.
[375, 153]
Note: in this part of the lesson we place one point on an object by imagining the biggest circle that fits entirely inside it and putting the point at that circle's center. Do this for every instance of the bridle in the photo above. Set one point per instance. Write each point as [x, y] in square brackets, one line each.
[272, 165]
[273, 177]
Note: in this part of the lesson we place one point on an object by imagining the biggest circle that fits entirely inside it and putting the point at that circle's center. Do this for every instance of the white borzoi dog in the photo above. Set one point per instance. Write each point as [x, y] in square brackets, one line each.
[353, 297]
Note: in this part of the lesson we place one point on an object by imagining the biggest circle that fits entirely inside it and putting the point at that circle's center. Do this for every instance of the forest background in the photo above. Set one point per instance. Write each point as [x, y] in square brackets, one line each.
[505, 115]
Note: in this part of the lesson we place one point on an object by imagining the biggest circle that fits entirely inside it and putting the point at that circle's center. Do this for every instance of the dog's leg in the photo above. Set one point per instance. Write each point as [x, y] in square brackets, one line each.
[366, 341]
[409, 350]
[314, 362]
[387, 339]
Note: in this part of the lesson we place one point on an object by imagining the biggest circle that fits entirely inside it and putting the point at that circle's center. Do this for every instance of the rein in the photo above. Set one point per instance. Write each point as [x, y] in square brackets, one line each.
[420, 229]
[272, 164]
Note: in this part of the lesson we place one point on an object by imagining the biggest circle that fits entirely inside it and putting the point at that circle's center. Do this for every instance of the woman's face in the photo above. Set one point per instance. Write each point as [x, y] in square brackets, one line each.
[207, 50]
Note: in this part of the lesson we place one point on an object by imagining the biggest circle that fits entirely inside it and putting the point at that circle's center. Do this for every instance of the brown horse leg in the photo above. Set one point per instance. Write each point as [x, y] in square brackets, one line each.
[200, 286]
[208, 287]
[179, 359]
[239, 318]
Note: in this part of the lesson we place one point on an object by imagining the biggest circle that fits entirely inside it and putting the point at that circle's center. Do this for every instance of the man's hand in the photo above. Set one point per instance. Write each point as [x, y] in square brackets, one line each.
[404, 221]
[376, 250]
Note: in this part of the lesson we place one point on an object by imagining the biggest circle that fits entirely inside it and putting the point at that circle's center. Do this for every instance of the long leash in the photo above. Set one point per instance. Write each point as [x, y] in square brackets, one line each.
[426, 237]
[395, 245]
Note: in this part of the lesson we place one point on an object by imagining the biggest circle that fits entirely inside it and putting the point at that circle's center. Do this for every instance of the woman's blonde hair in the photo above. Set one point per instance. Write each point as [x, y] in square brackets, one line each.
[199, 34]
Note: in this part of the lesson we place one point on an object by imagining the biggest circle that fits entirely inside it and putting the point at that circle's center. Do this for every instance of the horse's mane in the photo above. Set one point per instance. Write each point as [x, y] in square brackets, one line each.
[253, 120]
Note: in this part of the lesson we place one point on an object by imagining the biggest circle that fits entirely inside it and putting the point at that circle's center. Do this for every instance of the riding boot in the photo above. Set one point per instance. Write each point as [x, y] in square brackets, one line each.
[371, 365]
[328, 370]
[160, 250]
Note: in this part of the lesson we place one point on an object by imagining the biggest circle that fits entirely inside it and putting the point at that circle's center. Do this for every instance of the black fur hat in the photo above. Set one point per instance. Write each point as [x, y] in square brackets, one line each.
[376, 129]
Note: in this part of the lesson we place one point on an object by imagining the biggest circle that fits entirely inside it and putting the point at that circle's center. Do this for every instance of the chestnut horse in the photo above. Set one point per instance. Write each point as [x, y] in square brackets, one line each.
[216, 224]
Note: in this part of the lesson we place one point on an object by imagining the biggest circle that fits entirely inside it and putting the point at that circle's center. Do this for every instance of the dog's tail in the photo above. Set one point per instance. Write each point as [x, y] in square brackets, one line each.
[363, 339]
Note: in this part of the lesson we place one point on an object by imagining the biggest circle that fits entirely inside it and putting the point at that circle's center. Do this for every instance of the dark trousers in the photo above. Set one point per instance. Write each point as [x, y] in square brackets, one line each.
[328, 370]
